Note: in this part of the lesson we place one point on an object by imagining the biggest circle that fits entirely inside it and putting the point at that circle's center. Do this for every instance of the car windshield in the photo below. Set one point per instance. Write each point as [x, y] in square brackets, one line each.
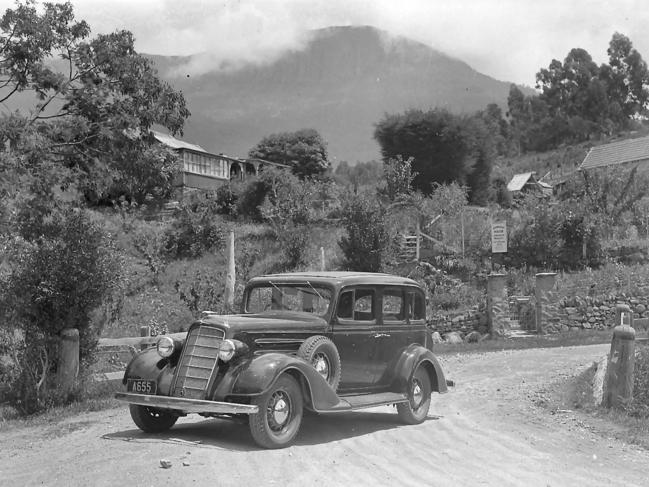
[304, 297]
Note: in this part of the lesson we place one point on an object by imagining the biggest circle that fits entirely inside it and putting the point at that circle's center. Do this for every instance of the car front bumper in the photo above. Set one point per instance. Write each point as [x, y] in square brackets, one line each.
[186, 405]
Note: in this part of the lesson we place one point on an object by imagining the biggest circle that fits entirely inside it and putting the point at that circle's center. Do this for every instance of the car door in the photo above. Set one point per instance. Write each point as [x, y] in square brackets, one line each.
[401, 323]
[354, 327]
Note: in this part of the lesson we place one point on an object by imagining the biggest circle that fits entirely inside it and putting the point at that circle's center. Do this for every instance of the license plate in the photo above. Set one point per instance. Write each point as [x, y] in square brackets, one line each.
[141, 386]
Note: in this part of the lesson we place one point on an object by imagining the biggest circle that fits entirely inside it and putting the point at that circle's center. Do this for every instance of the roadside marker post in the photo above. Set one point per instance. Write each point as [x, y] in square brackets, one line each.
[618, 384]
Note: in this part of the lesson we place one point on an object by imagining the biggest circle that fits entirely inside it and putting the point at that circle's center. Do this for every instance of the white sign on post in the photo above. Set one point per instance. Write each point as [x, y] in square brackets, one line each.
[498, 237]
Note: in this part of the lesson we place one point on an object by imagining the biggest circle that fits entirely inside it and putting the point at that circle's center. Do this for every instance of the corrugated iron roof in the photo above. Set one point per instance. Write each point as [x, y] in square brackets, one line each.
[174, 143]
[624, 151]
[518, 181]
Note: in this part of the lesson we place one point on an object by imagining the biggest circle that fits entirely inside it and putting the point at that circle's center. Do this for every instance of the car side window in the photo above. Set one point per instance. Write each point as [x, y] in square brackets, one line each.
[393, 305]
[346, 306]
[357, 305]
[417, 309]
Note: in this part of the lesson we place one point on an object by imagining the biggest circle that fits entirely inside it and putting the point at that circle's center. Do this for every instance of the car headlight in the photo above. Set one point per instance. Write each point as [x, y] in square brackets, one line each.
[227, 350]
[165, 346]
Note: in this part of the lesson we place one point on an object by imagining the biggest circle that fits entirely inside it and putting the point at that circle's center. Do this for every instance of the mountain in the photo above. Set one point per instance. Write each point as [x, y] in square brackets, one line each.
[341, 84]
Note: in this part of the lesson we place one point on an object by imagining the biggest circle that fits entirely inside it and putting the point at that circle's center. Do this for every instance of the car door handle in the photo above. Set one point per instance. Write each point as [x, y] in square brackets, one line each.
[381, 335]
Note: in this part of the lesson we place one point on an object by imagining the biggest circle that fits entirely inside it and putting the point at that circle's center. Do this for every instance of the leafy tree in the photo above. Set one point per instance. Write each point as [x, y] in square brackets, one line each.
[564, 87]
[436, 140]
[627, 76]
[367, 237]
[611, 191]
[398, 176]
[91, 108]
[498, 128]
[288, 200]
[580, 99]
[483, 132]
[305, 151]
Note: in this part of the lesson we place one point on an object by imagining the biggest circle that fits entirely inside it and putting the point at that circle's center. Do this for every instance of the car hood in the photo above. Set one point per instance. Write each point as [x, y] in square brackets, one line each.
[269, 321]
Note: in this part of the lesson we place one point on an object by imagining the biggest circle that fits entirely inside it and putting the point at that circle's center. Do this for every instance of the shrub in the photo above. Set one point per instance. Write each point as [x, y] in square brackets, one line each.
[367, 237]
[251, 198]
[226, 197]
[398, 175]
[555, 237]
[151, 242]
[195, 230]
[199, 292]
[639, 406]
[55, 281]
[295, 243]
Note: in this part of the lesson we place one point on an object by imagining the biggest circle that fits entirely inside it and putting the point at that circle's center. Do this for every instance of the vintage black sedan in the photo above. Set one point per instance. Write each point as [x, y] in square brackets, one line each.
[321, 341]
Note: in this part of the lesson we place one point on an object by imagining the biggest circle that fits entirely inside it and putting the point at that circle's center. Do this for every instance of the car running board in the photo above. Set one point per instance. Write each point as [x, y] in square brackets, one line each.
[362, 401]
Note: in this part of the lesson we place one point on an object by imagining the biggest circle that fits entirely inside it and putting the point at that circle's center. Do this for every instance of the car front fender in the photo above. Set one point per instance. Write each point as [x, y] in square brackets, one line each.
[258, 375]
[150, 366]
[411, 358]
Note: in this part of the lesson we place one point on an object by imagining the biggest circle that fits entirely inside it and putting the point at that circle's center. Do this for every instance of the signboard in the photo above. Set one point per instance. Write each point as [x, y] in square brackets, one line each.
[498, 237]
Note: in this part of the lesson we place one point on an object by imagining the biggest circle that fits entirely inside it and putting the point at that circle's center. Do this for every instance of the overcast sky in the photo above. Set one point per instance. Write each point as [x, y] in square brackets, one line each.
[507, 39]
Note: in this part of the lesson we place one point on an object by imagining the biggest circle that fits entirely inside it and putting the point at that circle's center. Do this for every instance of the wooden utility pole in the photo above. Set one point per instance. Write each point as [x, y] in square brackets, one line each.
[230, 277]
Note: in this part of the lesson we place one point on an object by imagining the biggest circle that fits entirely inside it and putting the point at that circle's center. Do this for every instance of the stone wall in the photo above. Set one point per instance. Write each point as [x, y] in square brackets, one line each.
[598, 313]
[463, 323]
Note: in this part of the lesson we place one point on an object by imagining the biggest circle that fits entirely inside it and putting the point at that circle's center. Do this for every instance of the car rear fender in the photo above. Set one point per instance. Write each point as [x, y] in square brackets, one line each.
[262, 371]
[411, 358]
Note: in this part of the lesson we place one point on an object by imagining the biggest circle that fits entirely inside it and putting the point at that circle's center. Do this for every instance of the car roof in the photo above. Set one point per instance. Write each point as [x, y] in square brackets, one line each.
[338, 278]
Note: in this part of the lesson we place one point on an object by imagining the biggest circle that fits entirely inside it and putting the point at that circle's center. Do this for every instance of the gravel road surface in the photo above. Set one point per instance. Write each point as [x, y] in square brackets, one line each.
[488, 431]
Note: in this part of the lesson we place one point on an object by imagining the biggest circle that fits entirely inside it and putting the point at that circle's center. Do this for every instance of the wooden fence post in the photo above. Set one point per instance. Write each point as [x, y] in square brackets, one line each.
[145, 331]
[618, 383]
[231, 274]
[68, 366]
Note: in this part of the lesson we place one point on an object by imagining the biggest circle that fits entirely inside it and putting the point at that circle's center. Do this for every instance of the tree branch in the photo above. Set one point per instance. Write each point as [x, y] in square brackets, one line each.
[45, 364]
[9, 95]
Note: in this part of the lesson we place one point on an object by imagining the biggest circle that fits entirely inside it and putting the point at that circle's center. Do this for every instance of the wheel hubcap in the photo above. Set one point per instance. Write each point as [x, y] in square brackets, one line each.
[321, 365]
[279, 410]
[417, 394]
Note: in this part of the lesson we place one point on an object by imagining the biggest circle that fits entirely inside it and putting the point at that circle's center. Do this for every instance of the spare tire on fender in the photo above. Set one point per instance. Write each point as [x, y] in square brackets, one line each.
[322, 353]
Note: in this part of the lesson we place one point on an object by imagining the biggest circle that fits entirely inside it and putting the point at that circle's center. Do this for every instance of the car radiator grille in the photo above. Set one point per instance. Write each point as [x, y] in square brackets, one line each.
[197, 363]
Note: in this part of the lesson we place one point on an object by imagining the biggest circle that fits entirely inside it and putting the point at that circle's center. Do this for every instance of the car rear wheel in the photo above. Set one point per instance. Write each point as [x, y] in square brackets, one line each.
[278, 420]
[152, 420]
[321, 352]
[419, 390]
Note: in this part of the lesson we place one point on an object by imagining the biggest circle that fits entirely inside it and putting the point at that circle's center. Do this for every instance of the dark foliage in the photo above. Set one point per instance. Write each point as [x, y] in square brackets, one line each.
[304, 151]
[195, 230]
[57, 278]
[367, 238]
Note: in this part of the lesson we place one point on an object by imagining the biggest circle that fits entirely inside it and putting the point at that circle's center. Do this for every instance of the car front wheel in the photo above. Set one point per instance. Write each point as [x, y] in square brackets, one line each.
[278, 420]
[152, 420]
[419, 390]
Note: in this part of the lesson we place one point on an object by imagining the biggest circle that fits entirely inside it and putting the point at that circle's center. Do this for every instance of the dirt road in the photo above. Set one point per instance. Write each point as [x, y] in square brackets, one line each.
[488, 431]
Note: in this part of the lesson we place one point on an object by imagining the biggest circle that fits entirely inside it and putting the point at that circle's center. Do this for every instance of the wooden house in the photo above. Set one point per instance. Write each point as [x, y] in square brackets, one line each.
[202, 170]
